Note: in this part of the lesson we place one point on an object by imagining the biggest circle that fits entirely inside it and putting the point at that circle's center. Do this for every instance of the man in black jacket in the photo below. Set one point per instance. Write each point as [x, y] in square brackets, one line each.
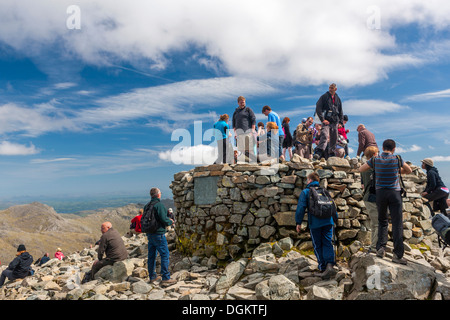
[435, 189]
[244, 124]
[18, 268]
[329, 111]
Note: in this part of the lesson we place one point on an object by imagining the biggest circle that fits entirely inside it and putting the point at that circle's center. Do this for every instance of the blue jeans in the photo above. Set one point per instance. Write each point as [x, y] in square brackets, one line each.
[323, 245]
[158, 242]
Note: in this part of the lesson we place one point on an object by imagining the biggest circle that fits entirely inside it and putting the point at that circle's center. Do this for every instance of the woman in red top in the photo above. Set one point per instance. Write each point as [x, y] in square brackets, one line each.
[343, 132]
[58, 254]
[135, 227]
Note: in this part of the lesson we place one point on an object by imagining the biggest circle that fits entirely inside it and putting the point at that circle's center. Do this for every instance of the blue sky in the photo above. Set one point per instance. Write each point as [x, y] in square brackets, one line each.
[93, 99]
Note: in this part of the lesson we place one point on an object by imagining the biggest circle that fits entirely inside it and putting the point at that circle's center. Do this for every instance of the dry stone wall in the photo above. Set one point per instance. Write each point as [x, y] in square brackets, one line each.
[228, 210]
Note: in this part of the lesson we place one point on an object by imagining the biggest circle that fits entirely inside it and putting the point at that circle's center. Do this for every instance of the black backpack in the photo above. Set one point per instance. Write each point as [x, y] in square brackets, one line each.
[321, 205]
[441, 224]
[149, 220]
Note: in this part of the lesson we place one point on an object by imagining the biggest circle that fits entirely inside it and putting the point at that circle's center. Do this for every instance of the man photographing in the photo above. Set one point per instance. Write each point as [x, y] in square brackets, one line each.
[329, 111]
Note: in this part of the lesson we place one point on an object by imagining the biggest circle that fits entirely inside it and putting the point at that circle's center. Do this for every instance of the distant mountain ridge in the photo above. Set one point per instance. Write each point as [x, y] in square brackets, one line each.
[41, 229]
[77, 204]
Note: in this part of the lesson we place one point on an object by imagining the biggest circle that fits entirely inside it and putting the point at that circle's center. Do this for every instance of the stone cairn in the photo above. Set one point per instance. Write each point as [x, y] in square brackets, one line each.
[254, 204]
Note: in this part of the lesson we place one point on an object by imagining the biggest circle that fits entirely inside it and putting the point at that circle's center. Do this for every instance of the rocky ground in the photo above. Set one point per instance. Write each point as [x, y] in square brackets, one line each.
[275, 271]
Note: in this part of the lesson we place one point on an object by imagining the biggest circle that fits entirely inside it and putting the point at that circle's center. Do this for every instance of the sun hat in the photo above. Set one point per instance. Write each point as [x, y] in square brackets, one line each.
[428, 161]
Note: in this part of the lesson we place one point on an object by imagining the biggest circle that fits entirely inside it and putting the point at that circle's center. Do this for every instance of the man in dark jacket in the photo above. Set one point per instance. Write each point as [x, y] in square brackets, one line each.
[18, 268]
[435, 189]
[44, 259]
[244, 124]
[111, 245]
[157, 241]
[329, 111]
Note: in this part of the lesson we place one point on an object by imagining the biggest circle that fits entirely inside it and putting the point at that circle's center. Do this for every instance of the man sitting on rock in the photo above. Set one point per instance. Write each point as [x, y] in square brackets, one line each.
[18, 268]
[111, 245]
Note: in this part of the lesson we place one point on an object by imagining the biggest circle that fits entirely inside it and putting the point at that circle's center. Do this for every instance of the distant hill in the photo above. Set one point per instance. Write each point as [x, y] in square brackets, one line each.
[42, 229]
[77, 204]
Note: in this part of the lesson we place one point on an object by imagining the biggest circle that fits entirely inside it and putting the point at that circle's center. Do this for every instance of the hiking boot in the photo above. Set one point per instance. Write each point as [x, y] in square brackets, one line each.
[167, 283]
[154, 279]
[317, 154]
[329, 272]
[381, 253]
[398, 260]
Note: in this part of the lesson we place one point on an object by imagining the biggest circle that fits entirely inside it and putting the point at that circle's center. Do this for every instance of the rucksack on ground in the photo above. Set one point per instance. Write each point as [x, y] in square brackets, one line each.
[149, 221]
[321, 204]
[441, 224]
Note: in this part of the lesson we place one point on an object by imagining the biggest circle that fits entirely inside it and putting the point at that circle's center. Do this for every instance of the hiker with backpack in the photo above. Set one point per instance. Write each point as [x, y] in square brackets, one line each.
[388, 169]
[154, 222]
[322, 216]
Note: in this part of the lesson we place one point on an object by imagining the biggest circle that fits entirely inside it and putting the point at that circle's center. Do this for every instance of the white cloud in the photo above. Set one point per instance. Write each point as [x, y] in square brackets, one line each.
[86, 92]
[181, 102]
[406, 124]
[193, 155]
[13, 149]
[298, 42]
[370, 107]
[443, 94]
[305, 96]
[413, 148]
[51, 160]
[64, 85]
[441, 158]
[34, 120]
[93, 164]
[167, 107]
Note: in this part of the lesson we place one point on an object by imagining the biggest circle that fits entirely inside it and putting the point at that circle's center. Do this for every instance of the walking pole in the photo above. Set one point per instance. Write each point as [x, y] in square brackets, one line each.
[335, 242]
